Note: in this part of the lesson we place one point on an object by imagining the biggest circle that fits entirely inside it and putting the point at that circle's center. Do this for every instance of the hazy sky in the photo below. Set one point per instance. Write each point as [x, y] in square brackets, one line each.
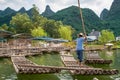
[96, 5]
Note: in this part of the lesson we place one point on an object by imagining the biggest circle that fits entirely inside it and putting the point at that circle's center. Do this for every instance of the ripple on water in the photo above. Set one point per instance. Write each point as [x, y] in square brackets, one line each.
[11, 77]
[116, 77]
[8, 79]
[14, 77]
[3, 77]
[64, 75]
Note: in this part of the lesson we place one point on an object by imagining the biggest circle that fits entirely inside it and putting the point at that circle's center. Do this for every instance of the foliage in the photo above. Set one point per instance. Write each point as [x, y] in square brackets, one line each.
[65, 32]
[36, 17]
[11, 29]
[71, 16]
[36, 24]
[106, 36]
[38, 32]
[7, 28]
[51, 27]
[71, 44]
[113, 25]
[4, 27]
[21, 23]
[118, 44]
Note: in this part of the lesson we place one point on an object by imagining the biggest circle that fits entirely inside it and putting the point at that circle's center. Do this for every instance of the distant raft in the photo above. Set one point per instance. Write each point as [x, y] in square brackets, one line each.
[94, 58]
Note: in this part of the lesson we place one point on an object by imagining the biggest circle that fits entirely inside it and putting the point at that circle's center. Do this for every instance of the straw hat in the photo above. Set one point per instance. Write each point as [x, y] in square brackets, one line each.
[81, 34]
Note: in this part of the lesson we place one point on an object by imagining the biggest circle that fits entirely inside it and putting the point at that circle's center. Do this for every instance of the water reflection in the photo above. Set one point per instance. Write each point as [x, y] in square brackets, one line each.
[116, 64]
[37, 77]
[64, 75]
[109, 53]
[7, 71]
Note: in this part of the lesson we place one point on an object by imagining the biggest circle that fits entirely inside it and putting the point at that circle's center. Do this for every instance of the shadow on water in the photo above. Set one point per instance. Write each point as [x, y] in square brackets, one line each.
[37, 77]
[90, 77]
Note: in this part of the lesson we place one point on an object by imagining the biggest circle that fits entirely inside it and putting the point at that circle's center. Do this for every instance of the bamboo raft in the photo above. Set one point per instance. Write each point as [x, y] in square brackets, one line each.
[7, 52]
[25, 66]
[70, 62]
[94, 58]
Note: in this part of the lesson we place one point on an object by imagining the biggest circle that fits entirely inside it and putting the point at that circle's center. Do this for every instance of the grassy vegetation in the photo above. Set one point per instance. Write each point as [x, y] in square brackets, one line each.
[92, 45]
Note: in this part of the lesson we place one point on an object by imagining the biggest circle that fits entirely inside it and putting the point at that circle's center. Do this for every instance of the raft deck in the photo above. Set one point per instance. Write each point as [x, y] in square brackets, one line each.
[70, 62]
[94, 58]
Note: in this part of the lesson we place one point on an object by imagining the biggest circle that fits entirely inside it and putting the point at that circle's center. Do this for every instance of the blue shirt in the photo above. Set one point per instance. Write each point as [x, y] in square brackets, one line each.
[79, 43]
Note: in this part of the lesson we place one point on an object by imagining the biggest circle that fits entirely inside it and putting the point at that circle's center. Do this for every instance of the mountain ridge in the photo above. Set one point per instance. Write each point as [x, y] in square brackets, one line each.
[71, 16]
[7, 11]
[109, 19]
[104, 14]
[48, 12]
[22, 10]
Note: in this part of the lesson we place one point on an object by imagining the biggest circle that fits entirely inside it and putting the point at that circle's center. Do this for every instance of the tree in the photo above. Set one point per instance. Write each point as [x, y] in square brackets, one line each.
[11, 29]
[21, 23]
[106, 36]
[37, 19]
[65, 32]
[51, 27]
[4, 27]
[38, 32]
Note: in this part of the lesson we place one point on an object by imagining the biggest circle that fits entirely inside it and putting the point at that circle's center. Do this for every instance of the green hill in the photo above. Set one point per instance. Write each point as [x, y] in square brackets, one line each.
[112, 18]
[109, 19]
[114, 13]
[48, 12]
[71, 16]
[104, 14]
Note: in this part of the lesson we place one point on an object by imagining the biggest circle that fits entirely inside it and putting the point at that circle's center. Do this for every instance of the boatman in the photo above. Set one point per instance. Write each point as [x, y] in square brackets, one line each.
[79, 47]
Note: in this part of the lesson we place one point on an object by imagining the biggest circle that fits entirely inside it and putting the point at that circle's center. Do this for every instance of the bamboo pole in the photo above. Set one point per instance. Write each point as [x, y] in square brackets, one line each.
[82, 20]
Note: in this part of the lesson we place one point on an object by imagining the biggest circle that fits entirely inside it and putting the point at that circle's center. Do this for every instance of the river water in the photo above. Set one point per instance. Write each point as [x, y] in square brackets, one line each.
[7, 71]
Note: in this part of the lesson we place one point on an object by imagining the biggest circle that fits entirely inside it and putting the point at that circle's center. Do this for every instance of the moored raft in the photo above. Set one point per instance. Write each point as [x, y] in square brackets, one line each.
[96, 71]
[70, 62]
[94, 58]
[97, 61]
[8, 52]
[25, 66]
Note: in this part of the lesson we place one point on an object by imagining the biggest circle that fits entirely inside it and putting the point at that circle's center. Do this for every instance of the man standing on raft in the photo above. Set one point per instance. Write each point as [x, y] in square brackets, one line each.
[79, 47]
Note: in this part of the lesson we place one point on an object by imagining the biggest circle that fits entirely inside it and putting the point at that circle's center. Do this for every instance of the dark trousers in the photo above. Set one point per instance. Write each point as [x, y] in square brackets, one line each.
[80, 55]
